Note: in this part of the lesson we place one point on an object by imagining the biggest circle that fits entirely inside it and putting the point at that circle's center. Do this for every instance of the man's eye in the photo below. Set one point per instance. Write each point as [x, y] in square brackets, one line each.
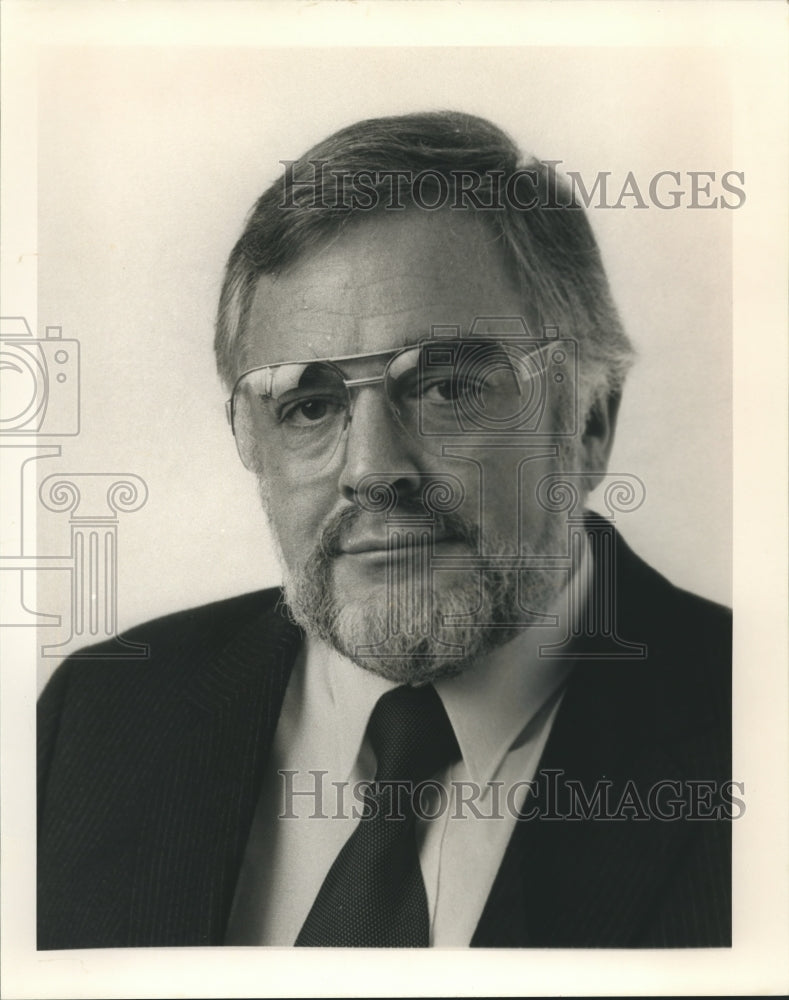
[447, 389]
[306, 412]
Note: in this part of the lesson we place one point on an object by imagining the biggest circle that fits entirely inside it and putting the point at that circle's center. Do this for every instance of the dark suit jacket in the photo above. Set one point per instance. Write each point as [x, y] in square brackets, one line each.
[149, 773]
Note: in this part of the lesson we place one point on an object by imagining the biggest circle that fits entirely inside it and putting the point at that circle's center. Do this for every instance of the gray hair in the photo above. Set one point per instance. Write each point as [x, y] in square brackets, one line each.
[546, 239]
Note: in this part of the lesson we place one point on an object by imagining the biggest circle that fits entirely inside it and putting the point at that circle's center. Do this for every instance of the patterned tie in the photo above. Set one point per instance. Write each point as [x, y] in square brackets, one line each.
[374, 895]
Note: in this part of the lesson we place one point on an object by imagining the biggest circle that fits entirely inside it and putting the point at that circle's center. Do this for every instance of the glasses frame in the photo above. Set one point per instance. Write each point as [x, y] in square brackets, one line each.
[349, 383]
[390, 356]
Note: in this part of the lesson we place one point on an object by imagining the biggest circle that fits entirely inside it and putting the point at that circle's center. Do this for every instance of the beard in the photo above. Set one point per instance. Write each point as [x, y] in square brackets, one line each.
[420, 625]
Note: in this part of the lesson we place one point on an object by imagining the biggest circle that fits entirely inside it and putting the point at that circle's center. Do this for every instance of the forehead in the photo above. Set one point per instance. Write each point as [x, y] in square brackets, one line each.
[381, 284]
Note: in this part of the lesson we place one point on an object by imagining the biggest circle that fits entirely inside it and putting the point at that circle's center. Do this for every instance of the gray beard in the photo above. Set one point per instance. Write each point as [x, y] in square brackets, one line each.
[416, 629]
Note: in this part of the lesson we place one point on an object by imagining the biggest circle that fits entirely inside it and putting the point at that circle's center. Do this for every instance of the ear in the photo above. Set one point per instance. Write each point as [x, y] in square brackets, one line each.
[598, 436]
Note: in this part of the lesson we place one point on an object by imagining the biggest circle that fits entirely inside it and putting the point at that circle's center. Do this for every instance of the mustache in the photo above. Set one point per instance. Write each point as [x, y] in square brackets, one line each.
[448, 525]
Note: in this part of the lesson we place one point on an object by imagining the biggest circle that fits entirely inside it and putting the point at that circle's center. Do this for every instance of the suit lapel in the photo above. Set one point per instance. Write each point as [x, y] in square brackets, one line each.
[199, 812]
[596, 878]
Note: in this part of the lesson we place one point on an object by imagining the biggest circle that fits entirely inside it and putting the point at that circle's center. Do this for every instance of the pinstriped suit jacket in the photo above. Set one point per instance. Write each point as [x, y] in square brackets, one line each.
[149, 773]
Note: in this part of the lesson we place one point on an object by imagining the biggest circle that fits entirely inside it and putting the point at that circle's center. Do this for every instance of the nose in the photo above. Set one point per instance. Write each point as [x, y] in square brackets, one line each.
[376, 445]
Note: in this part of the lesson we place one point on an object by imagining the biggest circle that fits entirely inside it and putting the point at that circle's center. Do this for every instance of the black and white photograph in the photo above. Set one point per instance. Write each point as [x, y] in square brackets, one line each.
[394, 485]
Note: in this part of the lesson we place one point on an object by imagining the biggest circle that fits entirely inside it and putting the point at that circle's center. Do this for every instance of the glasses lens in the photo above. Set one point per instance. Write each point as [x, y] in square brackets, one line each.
[292, 413]
[440, 391]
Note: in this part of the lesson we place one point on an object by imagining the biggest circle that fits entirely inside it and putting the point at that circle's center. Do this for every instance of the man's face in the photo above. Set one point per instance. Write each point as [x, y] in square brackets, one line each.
[384, 284]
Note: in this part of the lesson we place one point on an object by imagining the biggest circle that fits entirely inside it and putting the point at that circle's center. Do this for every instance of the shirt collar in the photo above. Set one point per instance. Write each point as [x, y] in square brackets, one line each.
[489, 705]
[351, 692]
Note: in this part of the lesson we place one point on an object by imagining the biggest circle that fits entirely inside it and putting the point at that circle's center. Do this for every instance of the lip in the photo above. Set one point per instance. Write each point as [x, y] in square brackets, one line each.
[380, 547]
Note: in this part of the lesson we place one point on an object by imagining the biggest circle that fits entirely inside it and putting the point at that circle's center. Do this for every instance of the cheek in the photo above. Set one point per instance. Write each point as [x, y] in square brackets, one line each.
[503, 497]
[500, 486]
[296, 512]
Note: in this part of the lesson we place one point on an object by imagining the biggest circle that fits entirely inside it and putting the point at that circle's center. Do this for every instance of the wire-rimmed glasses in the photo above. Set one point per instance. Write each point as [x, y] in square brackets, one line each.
[296, 413]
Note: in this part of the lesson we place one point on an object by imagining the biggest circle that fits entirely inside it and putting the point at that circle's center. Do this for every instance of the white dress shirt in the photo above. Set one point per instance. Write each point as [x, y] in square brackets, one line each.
[501, 709]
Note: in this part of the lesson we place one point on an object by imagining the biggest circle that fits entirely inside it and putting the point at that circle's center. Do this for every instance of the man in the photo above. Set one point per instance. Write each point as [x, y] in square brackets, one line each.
[475, 717]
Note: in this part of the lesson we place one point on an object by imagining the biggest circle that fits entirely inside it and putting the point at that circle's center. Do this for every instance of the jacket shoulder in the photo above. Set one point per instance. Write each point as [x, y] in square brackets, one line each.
[167, 649]
[95, 689]
[680, 672]
[216, 620]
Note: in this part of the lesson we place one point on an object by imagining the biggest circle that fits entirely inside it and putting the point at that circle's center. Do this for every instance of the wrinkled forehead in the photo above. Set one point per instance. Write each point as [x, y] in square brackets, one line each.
[384, 283]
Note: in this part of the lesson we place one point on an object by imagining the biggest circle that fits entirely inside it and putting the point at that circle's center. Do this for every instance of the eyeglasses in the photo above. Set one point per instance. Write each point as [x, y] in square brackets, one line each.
[294, 414]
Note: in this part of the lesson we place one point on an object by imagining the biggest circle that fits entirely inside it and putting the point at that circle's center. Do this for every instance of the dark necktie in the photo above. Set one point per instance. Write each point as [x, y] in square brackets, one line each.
[374, 895]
